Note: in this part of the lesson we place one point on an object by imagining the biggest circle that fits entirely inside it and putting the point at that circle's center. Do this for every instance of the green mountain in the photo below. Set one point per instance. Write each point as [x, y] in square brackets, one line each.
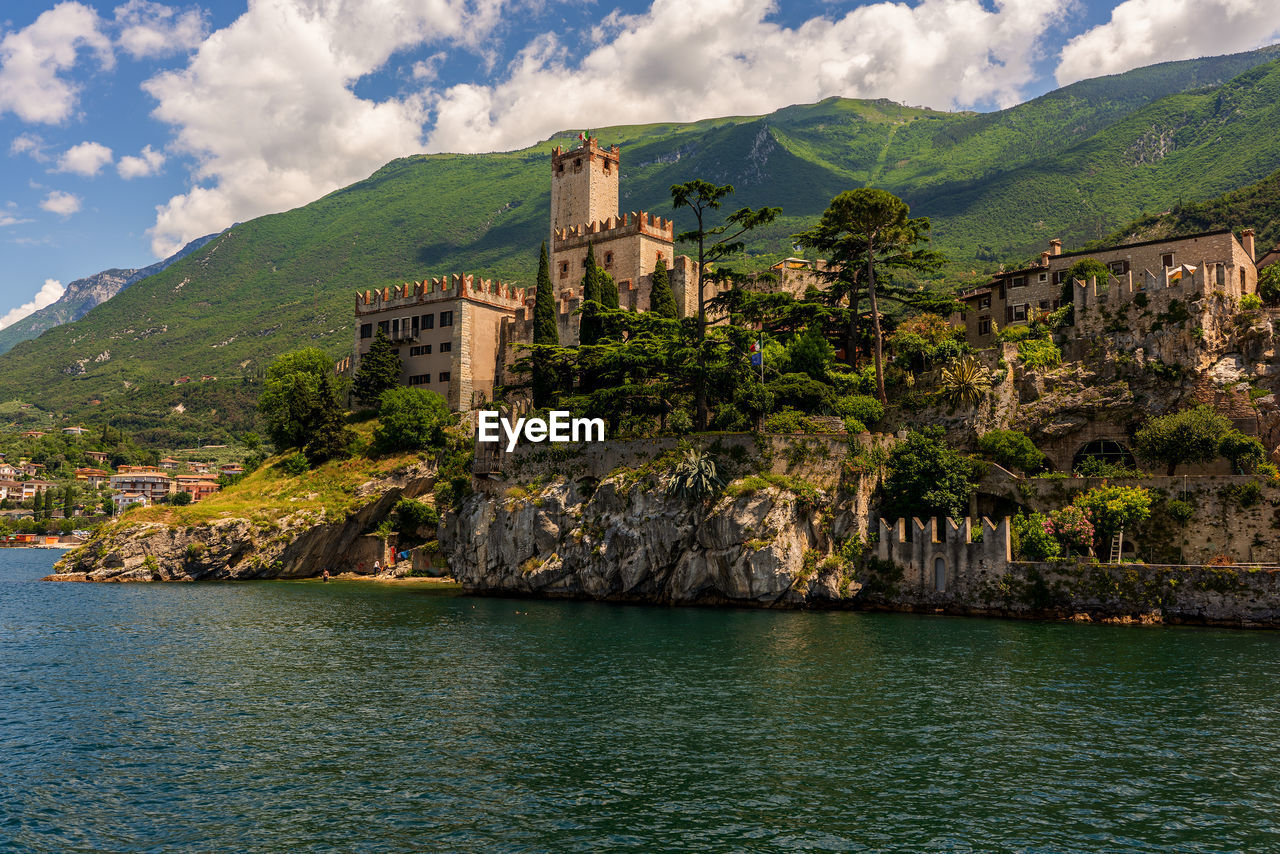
[1076, 163]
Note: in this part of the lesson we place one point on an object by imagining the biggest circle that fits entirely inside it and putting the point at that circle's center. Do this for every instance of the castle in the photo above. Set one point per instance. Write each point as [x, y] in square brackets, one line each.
[455, 335]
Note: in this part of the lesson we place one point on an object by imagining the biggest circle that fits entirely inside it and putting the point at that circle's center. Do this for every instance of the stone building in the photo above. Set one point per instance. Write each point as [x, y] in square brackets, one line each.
[584, 212]
[1215, 260]
[448, 332]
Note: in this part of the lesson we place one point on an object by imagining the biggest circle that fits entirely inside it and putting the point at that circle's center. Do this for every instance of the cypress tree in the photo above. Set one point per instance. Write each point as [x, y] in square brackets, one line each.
[330, 438]
[589, 330]
[662, 300]
[544, 306]
[545, 331]
[379, 371]
[608, 291]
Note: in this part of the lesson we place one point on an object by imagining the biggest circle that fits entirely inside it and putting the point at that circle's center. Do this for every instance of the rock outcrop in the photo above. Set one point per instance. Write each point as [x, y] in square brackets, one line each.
[625, 541]
[301, 544]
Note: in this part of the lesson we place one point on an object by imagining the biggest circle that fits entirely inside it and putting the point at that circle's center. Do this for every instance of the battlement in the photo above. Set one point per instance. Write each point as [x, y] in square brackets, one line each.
[609, 228]
[942, 559]
[490, 291]
[590, 149]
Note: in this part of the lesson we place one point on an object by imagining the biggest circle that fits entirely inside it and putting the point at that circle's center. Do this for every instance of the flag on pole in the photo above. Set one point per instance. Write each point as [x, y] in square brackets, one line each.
[757, 355]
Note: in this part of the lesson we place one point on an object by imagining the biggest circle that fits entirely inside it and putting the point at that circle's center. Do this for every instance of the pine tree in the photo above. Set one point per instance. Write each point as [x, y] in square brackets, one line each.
[662, 300]
[330, 438]
[48, 504]
[379, 371]
[68, 502]
[545, 378]
[589, 331]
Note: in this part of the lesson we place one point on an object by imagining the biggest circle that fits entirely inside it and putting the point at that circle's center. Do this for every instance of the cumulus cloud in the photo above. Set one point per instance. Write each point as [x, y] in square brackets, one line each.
[1144, 32]
[87, 158]
[266, 107]
[8, 219]
[152, 29]
[47, 295]
[61, 203]
[32, 59]
[721, 57]
[148, 162]
[31, 145]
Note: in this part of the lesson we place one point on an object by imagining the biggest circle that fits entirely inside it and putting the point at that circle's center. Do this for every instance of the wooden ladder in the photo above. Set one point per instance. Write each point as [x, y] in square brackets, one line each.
[1117, 546]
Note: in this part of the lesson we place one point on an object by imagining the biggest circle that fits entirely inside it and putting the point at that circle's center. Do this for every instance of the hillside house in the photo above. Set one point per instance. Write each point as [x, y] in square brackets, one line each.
[124, 500]
[31, 469]
[10, 489]
[32, 488]
[99, 457]
[151, 483]
[32, 434]
[1014, 296]
[198, 486]
[94, 478]
[170, 463]
[232, 469]
[74, 431]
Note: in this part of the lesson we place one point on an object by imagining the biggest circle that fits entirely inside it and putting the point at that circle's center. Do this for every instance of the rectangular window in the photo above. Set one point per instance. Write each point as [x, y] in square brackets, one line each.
[395, 328]
[1044, 304]
[1018, 282]
[384, 326]
[1059, 276]
[366, 330]
[446, 346]
[1221, 274]
[446, 319]
[420, 350]
[1167, 260]
[1043, 277]
[985, 302]
[444, 376]
[420, 379]
[1118, 268]
[984, 326]
[1020, 312]
[428, 321]
[415, 324]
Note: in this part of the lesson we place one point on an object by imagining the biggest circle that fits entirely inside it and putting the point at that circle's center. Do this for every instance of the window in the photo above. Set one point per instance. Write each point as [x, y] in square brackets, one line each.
[1118, 268]
[366, 330]
[985, 302]
[1019, 312]
[984, 326]
[1018, 282]
[1043, 277]
[420, 379]
[577, 165]
[446, 346]
[444, 376]
[1220, 274]
[1059, 276]
[427, 321]
[1242, 280]
[385, 326]
[1044, 305]
[559, 168]
[423, 350]
[1167, 260]
[414, 319]
[395, 328]
[608, 259]
[564, 269]
[608, 167]
[446, 318]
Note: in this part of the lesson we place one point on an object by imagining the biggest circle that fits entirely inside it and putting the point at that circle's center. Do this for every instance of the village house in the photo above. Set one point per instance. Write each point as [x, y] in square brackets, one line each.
[32, 434]
[1014, 296]
[75, 431]
[10, 489]
[198, 486]
[170, 463]
[96, 456]
[32, 488]
[149, 482]
[32, 469]
[8, 472]
[95, 478]
[231, 469]
[124, 500]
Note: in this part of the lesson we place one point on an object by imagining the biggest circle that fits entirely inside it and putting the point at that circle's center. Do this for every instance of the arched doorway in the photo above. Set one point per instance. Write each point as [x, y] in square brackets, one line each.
[1102, 453]
[940, 574]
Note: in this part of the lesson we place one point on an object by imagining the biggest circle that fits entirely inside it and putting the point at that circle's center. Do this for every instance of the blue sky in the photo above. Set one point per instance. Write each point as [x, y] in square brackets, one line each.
[128, 128]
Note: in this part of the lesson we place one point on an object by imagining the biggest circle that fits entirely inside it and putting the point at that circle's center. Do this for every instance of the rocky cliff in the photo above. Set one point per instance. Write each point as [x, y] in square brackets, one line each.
[301, 544]
[624, 540]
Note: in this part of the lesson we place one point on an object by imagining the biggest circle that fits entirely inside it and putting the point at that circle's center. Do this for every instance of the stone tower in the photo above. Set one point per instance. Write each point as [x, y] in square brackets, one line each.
[584, 185]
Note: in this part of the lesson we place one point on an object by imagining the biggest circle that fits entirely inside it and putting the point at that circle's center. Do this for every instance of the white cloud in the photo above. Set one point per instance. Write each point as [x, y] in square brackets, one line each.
[1144, 32]
[152, 29]
[148, 162]
[30, 144]
[31, 59]
[267, 110]
[47, 295]
[7, 220]
[687, 61]
[63, 204]
[87, 158]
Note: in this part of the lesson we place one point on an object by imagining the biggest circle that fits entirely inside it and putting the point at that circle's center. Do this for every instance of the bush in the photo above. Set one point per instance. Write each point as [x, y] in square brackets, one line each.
[1039, 353]
[295, 465]
[1269, 284]
[181, 499]
[1180, 511]
[1115, 508]
[1032, 539]
[1071, 527]
[410, 419]
[810, 353]
[862, 407]
[1011, 449]
[853, 425]
[802, 392]
[925, 477]
[1250, 302]
[1245, 452]
[1190, 436]
[414, 515]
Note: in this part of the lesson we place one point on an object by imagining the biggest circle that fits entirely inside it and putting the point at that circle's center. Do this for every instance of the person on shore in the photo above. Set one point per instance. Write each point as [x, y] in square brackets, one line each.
[377, 567]
[326, 576]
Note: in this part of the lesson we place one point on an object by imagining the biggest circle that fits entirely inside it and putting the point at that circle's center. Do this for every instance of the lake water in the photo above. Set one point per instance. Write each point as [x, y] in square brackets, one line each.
[299, 716]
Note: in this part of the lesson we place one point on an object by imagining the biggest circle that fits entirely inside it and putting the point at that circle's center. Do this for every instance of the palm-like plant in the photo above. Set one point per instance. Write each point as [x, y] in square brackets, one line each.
[964, 382]
[694, 479]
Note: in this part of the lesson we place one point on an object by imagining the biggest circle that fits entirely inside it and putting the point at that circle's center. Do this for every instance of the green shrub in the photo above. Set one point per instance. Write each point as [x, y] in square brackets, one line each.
[863, 407]
[295, 465]
[181, 499]
[1011, 449]
[1039, 353]
[853, 425]
[1032, 539]
[1245, 452]
[1269, 284]
[412, 515]
[409, 419]
[1250, 302]
[1180, 511]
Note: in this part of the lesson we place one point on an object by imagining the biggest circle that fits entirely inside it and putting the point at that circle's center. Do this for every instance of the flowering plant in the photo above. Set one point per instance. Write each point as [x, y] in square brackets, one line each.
[1070, 525]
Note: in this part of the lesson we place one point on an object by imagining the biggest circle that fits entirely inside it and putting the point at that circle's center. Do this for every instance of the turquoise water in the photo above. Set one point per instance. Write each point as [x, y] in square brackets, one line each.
[292, 717]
